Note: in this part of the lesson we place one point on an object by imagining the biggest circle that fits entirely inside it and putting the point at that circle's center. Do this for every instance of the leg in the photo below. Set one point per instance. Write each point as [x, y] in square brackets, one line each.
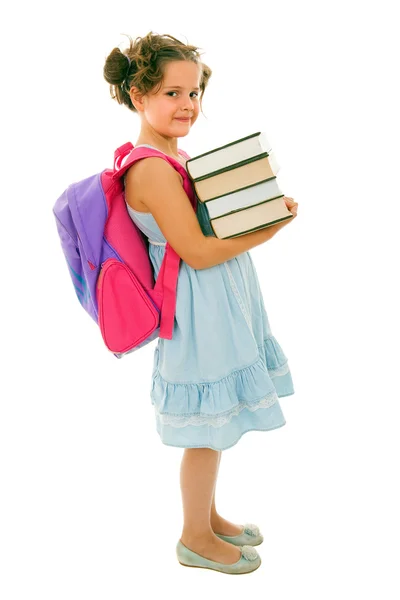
[214, 514]
[218, 523]
[198, 472]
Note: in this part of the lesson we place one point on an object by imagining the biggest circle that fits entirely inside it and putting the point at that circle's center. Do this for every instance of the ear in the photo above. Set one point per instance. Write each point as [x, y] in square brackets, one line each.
[136, 98]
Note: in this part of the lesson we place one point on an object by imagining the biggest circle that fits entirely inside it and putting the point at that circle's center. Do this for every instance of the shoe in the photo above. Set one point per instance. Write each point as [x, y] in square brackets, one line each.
[250, 536]
[248, 562]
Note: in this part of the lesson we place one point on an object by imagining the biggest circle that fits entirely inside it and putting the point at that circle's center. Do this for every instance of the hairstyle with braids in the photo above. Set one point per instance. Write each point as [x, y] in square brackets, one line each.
[142, 65]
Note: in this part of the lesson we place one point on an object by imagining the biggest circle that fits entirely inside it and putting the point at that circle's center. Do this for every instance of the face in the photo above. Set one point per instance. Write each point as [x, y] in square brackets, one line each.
[178, 97]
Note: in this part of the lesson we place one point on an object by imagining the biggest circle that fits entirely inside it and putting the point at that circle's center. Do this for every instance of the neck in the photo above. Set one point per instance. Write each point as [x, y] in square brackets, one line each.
[167, 145]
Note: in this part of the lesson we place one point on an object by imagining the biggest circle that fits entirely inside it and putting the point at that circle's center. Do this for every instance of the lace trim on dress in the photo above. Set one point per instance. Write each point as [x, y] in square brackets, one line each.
[273, 356]
[279, 370]
[215, 420]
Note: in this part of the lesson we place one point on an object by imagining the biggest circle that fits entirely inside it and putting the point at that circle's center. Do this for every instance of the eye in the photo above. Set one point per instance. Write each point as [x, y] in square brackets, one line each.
[168, 93]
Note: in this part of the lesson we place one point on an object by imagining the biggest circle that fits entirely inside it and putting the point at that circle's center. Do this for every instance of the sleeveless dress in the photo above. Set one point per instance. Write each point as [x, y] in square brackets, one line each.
[223, 371]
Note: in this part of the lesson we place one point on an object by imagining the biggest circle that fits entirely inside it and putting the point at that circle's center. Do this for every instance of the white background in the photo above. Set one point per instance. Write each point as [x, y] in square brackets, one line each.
[90, 497]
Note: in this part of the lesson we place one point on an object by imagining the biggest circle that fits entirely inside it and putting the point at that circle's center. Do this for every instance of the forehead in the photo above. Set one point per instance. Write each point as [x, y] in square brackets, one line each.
[181, 73]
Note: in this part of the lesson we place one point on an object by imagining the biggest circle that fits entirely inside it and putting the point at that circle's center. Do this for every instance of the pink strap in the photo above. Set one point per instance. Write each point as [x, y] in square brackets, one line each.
[167, 278]
[120, 153]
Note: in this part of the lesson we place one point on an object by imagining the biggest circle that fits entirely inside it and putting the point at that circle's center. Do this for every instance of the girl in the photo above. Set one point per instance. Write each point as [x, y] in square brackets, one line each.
[223, 371]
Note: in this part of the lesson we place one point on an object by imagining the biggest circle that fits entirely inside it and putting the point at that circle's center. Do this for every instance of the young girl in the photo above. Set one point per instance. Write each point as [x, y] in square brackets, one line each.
[223, 371]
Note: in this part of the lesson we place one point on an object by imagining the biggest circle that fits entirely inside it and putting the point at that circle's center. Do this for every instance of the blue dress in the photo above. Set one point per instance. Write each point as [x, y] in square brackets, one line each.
[223, 371]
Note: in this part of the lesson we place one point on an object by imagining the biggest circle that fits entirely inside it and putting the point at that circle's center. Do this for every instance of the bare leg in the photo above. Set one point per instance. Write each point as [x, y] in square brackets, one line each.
[218, 523]
[214, 514]
[198, 474]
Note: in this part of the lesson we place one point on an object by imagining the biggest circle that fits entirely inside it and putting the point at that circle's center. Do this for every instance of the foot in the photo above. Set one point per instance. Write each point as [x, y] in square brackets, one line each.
[224, 527]
[213, 548]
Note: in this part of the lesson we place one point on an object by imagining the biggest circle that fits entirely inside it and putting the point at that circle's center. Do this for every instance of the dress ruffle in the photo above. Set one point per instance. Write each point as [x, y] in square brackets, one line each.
[216, 403]
[223, 371]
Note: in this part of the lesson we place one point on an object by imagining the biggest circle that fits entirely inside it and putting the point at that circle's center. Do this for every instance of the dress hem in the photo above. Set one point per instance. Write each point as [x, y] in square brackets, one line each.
[225, 447]
[255, 386]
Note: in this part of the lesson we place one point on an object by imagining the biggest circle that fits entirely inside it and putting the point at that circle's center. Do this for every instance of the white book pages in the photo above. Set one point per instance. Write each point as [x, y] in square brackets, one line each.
[244, 198]
[228, 155]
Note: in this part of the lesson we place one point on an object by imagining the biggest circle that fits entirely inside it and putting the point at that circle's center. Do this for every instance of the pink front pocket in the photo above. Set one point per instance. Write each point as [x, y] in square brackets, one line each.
[127, 315]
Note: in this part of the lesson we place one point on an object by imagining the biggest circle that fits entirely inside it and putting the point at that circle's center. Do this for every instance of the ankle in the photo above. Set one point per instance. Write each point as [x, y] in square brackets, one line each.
[215, 519]
[197, 536]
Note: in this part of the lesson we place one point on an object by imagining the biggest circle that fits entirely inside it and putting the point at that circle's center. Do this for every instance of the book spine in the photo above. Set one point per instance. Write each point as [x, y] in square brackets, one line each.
[204, 220]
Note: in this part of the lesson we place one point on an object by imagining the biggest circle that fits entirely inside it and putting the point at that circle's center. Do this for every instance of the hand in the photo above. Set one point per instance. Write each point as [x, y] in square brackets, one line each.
[292, 207]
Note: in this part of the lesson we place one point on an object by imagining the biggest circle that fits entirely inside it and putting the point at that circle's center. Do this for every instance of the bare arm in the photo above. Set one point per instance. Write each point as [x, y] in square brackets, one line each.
[158, 187]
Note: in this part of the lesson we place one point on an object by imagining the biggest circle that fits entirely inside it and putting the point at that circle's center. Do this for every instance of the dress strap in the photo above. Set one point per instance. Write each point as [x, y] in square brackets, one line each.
[157, 243]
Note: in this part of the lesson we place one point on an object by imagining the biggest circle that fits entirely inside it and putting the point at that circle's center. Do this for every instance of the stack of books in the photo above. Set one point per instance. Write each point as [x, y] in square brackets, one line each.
[237, 189]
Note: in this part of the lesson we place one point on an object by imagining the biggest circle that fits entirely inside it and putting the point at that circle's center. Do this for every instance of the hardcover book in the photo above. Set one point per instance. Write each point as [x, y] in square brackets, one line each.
[237, 189]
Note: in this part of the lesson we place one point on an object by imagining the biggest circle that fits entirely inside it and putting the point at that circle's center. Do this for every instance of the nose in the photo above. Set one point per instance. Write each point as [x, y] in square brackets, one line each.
[188, 105]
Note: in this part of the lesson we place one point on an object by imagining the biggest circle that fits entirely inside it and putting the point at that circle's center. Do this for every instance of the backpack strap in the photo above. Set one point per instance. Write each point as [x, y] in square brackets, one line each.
[121, 153]
[167, 278]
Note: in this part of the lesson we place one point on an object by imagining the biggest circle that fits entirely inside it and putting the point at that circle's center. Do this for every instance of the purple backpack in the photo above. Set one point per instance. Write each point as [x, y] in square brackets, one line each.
[108, 260]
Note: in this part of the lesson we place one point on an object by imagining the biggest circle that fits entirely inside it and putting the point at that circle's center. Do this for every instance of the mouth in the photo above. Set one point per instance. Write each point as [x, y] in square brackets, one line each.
[183, 120]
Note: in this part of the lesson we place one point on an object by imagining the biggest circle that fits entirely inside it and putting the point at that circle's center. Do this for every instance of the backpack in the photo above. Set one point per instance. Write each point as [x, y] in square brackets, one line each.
[108, 260]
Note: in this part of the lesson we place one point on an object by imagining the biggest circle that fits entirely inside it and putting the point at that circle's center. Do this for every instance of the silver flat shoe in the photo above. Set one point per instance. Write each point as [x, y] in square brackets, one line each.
[250, 536]
[249, 561]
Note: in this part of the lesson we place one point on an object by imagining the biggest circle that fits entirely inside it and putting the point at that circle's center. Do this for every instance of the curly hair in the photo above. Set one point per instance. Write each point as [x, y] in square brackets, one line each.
[142, 65]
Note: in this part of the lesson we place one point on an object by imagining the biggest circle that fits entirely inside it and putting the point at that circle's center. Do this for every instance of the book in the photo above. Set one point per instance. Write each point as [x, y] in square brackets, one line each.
[228, 156]
[254, 170]
[244, 221]
[244, 198]
[236, 188]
